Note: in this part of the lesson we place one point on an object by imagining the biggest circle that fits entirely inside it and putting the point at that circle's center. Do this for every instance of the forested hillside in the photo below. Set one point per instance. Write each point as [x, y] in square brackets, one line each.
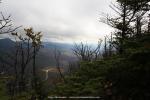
[117, 68]
[125, 73]
[121, 76]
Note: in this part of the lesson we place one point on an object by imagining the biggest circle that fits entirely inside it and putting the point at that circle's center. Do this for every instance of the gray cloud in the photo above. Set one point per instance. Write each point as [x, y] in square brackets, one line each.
[60, 20]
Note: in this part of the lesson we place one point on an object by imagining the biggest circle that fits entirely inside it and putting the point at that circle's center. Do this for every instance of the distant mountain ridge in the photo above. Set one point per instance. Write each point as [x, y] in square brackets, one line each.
[6, 43]
[57, 45]
[45, 56]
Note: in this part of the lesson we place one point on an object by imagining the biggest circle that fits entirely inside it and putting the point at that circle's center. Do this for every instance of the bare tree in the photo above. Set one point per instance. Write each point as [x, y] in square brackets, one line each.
[73, 66]
[6, 25]
[27, 47]
[25, 56]
[86, 52]
[57, 56]
[109, 46]
[35, 38]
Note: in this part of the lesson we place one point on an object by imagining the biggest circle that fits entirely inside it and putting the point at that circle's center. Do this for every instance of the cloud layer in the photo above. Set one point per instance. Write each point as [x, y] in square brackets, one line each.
[60, 20]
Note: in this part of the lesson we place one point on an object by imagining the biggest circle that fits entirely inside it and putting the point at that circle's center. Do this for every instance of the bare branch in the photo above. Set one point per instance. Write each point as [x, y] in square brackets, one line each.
[6, 25]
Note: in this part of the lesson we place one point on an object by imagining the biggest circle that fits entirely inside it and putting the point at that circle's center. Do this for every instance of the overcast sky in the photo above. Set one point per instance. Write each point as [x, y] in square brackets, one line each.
[60, 20]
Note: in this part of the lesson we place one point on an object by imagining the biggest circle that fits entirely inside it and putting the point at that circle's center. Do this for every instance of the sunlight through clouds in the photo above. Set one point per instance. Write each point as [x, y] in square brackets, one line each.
[61, 20]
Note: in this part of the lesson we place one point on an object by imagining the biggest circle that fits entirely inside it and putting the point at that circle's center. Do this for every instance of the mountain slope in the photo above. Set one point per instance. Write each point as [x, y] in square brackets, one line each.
[45, 56]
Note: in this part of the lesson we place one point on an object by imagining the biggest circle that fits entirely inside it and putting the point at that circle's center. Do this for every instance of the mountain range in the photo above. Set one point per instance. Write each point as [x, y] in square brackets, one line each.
[45, 56]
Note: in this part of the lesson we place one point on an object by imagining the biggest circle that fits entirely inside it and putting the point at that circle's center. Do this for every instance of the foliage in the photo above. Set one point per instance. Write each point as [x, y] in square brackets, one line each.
[122, 76]
[128, 74]
[3, 91]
